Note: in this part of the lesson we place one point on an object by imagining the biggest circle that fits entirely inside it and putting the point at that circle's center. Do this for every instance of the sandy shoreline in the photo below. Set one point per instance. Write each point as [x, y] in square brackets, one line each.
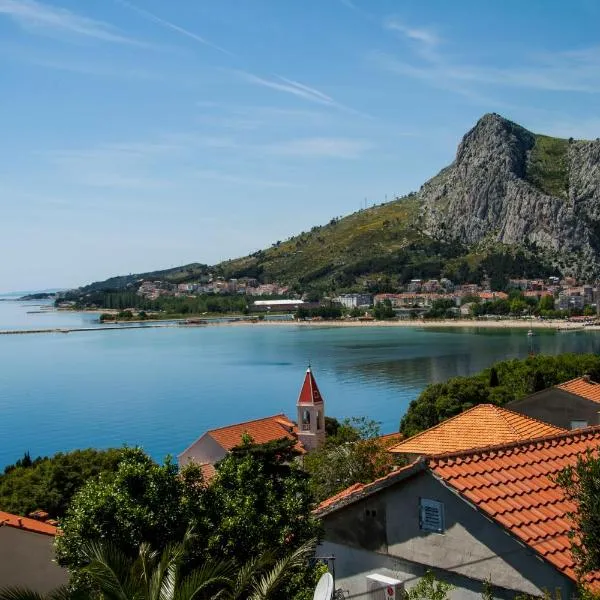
[556, 325]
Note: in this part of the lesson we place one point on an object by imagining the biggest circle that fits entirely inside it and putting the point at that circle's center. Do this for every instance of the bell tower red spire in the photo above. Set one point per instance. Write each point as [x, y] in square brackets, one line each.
[311, 413]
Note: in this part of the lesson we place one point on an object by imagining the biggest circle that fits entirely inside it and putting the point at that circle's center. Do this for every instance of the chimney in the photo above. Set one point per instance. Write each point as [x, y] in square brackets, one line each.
[587, 378]
[20, 522]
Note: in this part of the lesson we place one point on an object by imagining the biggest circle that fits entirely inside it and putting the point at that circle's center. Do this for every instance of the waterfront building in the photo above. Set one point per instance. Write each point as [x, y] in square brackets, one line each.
[354, 300]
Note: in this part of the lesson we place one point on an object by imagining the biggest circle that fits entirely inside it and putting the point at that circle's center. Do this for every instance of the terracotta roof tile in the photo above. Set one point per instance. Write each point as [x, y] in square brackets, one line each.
[6, 519]
[514, 484]
[481, 426]
[261, 431]
[582, 386]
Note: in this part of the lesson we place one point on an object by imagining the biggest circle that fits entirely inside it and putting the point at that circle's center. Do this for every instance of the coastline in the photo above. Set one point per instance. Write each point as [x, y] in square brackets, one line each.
[556, 325]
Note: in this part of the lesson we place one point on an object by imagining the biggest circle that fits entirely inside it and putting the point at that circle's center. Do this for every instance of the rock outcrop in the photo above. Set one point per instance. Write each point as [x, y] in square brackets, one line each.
[489, 194]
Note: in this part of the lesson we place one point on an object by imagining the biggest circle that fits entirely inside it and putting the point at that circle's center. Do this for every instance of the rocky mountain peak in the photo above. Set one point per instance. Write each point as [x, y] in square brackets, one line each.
[511, 186]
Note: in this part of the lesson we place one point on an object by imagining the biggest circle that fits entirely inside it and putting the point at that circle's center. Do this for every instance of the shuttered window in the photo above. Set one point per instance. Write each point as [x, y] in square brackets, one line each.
[431, 515]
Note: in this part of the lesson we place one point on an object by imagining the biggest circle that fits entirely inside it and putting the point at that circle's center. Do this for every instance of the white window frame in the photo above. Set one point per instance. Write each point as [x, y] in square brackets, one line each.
[428, 506]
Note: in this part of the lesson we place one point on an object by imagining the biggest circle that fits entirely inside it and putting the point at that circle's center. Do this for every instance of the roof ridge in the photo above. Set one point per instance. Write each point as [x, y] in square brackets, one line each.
[246, 422]
[27, 524]
[438, 425]
[583, 432]
[525, 418]
[580, 378]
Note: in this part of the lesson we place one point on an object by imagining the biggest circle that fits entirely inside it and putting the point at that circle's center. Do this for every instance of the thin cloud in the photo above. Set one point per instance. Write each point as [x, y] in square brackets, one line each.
[418, 34]
[172, 26]
[290, 87]
[301, 90]
[37, 17]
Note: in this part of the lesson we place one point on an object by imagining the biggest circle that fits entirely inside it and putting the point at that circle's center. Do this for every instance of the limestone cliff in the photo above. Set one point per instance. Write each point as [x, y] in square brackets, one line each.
[511, 186]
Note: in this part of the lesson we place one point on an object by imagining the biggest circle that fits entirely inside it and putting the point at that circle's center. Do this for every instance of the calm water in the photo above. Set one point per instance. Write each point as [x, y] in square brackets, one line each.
[162, 388]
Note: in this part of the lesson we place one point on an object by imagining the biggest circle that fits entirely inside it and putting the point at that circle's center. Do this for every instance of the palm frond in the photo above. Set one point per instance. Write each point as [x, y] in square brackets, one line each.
[19, 593]
[110, 569]
[212, 574]
[266, 587]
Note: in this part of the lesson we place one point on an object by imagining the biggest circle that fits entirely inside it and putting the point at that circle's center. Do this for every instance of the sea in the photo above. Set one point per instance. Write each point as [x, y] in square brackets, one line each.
[161, 388]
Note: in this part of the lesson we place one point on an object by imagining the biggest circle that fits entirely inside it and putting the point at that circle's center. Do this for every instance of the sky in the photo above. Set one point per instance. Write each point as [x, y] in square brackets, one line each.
[138, 135]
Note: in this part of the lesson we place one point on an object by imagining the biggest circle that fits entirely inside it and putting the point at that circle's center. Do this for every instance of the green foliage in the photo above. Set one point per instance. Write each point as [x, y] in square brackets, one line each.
[50, 483]
[441, 309]
[430, 588]
[383, 310]
[548, 167]
[326, 312]
[152, 575]
[352, 455]
[517, 379]
[259, 501]
[139, 502]
[581, 484]
[167, 306]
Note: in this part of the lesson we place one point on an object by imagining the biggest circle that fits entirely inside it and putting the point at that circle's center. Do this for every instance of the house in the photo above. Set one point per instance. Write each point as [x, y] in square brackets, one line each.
[570, 405]
[480, 426]
[495, 514]
[27, 554]
[214, 445]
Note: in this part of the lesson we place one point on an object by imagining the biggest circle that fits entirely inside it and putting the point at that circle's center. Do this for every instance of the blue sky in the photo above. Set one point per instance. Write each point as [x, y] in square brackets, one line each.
[147, 134]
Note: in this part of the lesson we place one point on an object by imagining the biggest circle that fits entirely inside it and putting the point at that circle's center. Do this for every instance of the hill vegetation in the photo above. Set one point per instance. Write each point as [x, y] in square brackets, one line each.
[502, 383]
[498, 211]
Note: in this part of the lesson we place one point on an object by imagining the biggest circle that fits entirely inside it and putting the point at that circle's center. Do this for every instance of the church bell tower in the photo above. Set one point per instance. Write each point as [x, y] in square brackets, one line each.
[311, 413]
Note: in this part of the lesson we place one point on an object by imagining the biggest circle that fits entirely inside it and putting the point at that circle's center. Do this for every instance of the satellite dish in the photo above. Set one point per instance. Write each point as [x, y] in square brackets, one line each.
[324, 589]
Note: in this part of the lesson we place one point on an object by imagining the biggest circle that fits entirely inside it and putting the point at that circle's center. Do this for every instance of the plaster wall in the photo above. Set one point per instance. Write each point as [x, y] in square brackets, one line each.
[26, 560]
[205, 450]
[557, 407]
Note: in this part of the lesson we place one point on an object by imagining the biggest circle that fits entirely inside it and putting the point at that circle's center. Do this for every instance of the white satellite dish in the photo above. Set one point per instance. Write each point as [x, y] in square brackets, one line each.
[324, 589]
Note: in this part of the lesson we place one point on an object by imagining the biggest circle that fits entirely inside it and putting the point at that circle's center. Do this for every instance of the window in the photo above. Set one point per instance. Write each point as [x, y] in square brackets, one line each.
[318, 420]
[371, 512]
[431, 515]
[578, 424]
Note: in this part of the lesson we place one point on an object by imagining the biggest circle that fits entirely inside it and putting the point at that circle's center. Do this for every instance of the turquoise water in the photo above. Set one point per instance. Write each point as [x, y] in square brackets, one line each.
[162, 388]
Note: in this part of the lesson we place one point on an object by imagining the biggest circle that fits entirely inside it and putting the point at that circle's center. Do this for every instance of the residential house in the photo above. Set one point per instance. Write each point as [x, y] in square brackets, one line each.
[27, 554]
[482, 425]
[493, 514]
[214, 445]
[569, 405]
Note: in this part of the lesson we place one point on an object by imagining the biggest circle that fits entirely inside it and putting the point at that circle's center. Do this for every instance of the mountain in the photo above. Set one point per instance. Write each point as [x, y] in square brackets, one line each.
[515, 187]
[513, 203]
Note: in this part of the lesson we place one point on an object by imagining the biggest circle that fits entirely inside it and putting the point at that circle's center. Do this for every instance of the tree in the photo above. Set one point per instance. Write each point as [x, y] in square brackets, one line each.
[258, 501]
[50, 483]
[581, 484]
[353, 455]
[546, 303]
[150, 575]
[384, 310]
[516, 379]
[141, 502]
[494, 381]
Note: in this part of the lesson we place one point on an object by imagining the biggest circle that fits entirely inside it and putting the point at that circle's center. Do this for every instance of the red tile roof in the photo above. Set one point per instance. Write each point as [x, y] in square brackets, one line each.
[309, 394]
[514, 485]
[208, 471]
[582, 386]
[6, 519]
[261, 431]
[390, 439]
[480, 426]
